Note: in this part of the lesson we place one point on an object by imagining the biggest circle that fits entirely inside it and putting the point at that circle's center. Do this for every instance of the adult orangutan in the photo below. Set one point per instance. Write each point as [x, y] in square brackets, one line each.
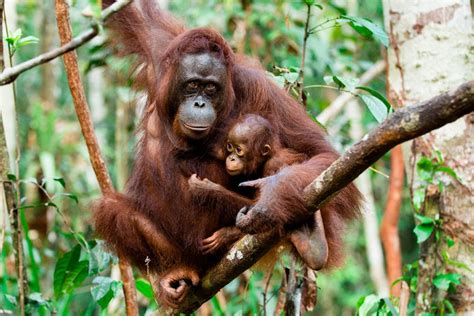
[196, 86]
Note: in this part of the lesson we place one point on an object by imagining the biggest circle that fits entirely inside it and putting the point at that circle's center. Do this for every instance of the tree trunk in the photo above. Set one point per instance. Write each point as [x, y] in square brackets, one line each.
[430, 53]
[373, 245]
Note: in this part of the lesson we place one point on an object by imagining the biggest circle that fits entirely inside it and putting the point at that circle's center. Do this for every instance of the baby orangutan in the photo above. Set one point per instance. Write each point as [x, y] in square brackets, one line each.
[252, 152]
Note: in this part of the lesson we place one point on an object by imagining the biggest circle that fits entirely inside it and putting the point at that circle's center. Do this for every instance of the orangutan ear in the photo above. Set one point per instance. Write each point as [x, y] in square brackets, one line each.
[267, 149]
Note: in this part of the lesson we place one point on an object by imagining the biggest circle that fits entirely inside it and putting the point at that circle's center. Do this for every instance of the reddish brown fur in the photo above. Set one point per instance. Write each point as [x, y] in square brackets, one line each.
[157, 191]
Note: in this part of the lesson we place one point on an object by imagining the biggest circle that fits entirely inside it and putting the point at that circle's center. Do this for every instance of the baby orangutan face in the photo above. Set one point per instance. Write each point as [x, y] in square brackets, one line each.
[245, 151]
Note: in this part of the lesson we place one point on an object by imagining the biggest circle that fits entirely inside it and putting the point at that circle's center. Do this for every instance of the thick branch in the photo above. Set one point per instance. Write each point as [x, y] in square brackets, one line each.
[10, 74]
[405, 124]
[85, 121]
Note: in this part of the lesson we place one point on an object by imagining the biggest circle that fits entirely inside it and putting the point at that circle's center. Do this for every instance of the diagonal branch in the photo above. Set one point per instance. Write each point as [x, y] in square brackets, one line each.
[10, 74]
[407, 123]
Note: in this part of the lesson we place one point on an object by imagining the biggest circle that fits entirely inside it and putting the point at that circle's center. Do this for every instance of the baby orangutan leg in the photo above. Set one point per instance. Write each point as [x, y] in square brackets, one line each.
[175, 284]
[310, 243]
[223, 237]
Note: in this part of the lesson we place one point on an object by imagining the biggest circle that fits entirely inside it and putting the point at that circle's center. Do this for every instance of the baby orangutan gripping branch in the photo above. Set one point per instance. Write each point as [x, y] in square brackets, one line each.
[254, 151]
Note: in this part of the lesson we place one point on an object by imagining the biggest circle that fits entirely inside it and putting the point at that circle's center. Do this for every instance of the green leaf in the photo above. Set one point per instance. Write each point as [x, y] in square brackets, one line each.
[144, 287]
[11, 177]
[309, 2]
[367, 28]
[370, 305]
[10, 299]
[424, 219]
[328, 79]
[38, 299]
[69, 272]
[217, 306]
[425, 169]
[418, 198]
[340, 83]
[279, 80]
[27, 40]
[423, 232]
[447, 170]
[376, 107]
[449, 306]
[291, 77]
[392, 309]
[100, 259]
[61, 181]
[72, 197]
[319, 6]
[104, 290]
[443, 281]
[376, 94]
[450, 242]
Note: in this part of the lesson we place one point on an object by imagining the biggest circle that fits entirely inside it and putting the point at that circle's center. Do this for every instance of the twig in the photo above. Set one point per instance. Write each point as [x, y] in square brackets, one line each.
[400, 126]
[389, 226]
[10, 74]
[301, 94]
[404, 299]
[338, 104]
[10, 194]
[84, 117]
[293, 291]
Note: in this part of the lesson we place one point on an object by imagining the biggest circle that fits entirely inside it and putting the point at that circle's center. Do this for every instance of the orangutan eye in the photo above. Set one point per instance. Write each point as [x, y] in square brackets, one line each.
[230, 148]
[239, 151]
[192, 86]
[210, 88]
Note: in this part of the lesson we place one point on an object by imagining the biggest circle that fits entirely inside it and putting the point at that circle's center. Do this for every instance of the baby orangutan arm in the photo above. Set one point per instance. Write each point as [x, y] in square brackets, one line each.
[207, 185]
[226, 235]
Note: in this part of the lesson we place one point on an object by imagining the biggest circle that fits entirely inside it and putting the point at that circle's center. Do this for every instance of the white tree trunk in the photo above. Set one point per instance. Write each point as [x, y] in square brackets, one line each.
[373, 245]
[431, 52]
[7, 99]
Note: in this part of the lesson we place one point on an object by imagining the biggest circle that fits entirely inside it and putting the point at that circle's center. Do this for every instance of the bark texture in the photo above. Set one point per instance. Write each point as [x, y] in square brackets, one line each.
[430, 53]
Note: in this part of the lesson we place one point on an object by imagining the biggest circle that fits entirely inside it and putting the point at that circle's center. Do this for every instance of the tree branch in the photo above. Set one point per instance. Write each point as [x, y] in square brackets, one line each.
[405, 124]
[10, 74]
[84, 117]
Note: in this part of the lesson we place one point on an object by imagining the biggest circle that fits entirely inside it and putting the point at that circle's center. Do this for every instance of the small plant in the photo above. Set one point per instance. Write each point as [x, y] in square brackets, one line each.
[16, 40]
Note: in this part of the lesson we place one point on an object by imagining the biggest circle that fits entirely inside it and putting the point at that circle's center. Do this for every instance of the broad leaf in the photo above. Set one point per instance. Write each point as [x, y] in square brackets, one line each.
[370, 305]
[376, 94]
[61, 181]
[376, 107]
[144, 287]
[367, 28]
[69, 272]
[443, 281]
[423, 232]
[425, 169]
[104, 290]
